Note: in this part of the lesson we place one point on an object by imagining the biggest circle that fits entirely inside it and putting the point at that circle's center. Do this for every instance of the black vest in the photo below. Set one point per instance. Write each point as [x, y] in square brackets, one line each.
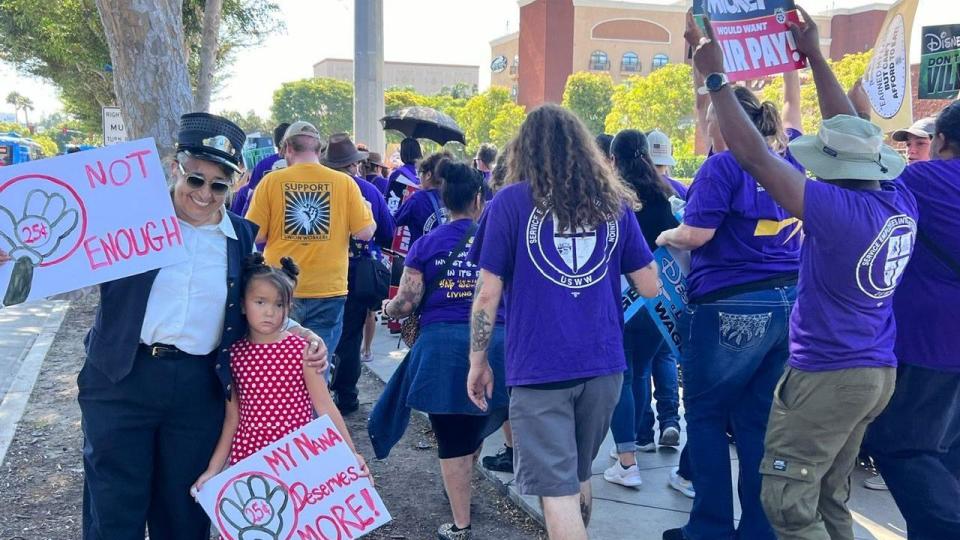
[112, 342]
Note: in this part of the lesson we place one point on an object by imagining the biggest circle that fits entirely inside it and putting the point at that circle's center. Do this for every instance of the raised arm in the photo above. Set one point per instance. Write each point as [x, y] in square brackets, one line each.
[792, 118]
[784, 183]
[833, 99]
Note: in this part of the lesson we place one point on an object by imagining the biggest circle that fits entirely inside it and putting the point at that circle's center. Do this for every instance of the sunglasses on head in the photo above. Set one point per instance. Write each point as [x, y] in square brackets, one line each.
[197, 181]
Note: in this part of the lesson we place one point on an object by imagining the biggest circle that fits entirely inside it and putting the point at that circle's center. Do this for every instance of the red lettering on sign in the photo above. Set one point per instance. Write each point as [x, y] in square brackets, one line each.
[126, 244]
[119, 172]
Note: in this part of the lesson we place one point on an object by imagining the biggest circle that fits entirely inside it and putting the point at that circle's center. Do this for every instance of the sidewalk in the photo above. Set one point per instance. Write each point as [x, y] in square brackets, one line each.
[644, 513]
[26, 333]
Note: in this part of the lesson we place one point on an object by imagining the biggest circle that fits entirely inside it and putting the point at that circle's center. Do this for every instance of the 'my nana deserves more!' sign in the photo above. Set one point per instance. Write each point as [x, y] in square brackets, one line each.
[754, 36]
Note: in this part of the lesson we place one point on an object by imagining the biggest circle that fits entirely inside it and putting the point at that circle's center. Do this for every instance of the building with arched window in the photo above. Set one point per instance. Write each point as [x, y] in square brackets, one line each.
[599, 61]
[629, 62]
[659, 60]
[560, 37]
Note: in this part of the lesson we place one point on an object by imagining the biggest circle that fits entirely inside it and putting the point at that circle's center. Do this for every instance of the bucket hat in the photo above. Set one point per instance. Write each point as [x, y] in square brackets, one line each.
[341, 152]
[847, 148]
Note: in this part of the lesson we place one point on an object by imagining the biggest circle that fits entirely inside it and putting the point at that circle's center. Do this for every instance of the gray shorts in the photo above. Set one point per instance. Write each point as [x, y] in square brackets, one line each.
[557, 433]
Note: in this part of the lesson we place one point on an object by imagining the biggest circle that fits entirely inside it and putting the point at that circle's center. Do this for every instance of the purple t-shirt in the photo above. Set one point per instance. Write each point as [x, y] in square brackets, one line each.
[397, 185]
[421, 212]
[755, 238]
[241, 200]
[856, 247]
[452, 299]
[381, 215]
[562, 288]
[679, 187]
[927, 302]
[379, 182]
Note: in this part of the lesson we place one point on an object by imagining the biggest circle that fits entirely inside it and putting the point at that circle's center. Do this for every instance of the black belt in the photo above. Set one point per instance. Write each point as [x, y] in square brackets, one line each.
[788, 279]
[160, 350]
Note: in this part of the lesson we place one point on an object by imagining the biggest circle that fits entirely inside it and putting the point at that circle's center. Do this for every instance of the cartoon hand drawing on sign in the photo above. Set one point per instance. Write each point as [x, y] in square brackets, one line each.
[35, 234]
[256, 507]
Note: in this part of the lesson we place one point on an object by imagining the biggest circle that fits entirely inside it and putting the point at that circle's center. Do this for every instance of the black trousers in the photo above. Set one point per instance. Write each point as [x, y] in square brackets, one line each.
[347, 371]
[915, 443]
[146, 440]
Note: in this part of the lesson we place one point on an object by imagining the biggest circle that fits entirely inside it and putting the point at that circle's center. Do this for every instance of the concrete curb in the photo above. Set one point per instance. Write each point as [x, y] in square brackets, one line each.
[15, 401]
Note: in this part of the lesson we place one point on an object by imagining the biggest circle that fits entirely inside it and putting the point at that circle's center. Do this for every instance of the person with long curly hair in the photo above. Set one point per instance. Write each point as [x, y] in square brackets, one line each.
[554, 242]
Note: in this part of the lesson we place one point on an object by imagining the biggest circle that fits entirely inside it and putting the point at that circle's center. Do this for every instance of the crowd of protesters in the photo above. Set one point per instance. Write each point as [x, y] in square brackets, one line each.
[823, 281]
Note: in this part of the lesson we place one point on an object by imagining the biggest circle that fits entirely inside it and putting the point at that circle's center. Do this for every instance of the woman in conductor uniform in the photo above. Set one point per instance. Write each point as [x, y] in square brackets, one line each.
[153, 387]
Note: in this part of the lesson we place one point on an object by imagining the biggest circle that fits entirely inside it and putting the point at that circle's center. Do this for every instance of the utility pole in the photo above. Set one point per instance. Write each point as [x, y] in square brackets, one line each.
[368, 73]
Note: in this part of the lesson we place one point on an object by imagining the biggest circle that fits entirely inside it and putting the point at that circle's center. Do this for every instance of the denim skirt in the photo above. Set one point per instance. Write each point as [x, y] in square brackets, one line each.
[439, 363]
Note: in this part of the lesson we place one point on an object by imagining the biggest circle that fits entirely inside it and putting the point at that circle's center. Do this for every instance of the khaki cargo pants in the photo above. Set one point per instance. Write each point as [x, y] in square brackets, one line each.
[813, 437]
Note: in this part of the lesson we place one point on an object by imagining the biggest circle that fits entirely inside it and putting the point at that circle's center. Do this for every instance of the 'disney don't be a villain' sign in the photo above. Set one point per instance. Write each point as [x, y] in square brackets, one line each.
[754, 36]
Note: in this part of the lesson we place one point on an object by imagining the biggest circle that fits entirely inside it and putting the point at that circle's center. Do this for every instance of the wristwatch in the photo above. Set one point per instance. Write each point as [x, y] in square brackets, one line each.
[715, 81]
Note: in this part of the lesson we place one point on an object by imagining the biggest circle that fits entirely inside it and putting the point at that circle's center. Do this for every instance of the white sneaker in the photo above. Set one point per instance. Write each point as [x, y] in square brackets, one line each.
[681, 484]
[649, 447]
[629, 477]
[876, 483]
[670, 437]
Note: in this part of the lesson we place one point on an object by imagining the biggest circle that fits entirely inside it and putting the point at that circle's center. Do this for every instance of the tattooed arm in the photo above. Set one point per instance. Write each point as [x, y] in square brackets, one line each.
[408, 296]
[483, 317]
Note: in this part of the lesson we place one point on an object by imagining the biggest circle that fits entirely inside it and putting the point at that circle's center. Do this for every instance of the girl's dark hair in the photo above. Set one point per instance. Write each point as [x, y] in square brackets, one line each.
[283, 278]
[948, 123]
[460, 184]
[498, 176]
[429, 163]
[410, 151]
[604, 140]
[557, 155]
[765, 116]
[631, 155]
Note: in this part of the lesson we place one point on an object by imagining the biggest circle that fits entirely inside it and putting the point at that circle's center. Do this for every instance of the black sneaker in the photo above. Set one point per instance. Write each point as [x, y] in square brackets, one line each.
[674, 534]
[502, 461]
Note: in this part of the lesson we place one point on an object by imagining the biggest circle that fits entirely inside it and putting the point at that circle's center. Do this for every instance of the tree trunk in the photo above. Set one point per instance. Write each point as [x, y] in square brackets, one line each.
[208, 53]
[149, 68]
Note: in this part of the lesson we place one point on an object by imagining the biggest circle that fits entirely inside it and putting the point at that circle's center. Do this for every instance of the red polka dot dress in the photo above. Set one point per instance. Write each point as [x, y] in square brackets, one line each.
[272, 394]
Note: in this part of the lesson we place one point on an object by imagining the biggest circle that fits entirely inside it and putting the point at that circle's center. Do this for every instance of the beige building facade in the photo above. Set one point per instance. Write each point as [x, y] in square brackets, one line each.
[424, 78]
[625, 38]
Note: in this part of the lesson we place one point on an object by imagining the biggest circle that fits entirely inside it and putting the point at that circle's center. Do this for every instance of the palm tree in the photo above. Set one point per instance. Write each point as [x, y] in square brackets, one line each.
[26, 104]
[13, 98]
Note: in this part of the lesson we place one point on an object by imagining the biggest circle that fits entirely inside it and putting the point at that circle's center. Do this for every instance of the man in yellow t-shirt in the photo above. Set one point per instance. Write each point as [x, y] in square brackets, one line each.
[309, 212]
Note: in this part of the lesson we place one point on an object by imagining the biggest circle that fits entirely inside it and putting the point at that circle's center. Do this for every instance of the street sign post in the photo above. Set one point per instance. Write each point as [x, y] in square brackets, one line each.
[113, 129]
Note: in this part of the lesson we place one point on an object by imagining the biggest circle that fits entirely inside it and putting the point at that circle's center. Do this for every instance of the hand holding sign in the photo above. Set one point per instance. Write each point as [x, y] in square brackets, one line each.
[806, 34]
[707, 55]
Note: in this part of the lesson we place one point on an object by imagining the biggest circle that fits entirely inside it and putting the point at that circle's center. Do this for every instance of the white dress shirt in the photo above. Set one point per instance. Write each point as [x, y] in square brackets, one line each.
[187, 300]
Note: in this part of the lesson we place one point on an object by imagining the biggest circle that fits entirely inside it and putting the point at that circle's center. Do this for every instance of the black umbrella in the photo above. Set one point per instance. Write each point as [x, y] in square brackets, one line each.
[424, 123]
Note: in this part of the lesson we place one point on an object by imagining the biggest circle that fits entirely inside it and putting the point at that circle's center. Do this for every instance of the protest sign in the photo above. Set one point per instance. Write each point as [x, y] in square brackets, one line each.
[668, 307]
[85, 218]
[940, 62]
[887, 77]
[754, 36]
[306, 486]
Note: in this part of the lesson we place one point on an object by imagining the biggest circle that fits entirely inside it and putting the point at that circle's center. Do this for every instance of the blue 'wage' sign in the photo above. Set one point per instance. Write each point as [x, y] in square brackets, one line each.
[669, 306]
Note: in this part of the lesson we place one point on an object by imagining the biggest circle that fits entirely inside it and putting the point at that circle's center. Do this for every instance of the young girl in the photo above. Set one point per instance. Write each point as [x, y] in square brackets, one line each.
[273, 393]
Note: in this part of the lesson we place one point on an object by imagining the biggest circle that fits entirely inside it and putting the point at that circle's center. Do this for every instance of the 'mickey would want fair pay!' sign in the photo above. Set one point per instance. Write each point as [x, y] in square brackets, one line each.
[754, 36]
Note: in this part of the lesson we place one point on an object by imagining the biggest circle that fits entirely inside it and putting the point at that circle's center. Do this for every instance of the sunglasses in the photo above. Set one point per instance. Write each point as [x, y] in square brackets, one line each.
[197, 181]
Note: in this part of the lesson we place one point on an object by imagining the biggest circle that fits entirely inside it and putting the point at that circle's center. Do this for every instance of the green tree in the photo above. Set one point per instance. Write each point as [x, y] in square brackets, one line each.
[63, 42]
[48, 145]
[326, 103]
[589, 96]
[848, 70]
[663, 100]
[250, 122]
[506, 123]
[477, 116]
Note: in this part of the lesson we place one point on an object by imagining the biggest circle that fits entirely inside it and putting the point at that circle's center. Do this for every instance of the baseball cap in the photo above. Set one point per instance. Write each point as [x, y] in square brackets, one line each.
[925, 127]
[661, 149]
[301, 128]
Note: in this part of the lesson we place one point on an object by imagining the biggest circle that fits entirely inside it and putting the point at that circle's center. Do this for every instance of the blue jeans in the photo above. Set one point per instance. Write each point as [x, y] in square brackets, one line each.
[734, 355]
[666, 391]
[323, 317]
[641, 343]
[916, 445]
